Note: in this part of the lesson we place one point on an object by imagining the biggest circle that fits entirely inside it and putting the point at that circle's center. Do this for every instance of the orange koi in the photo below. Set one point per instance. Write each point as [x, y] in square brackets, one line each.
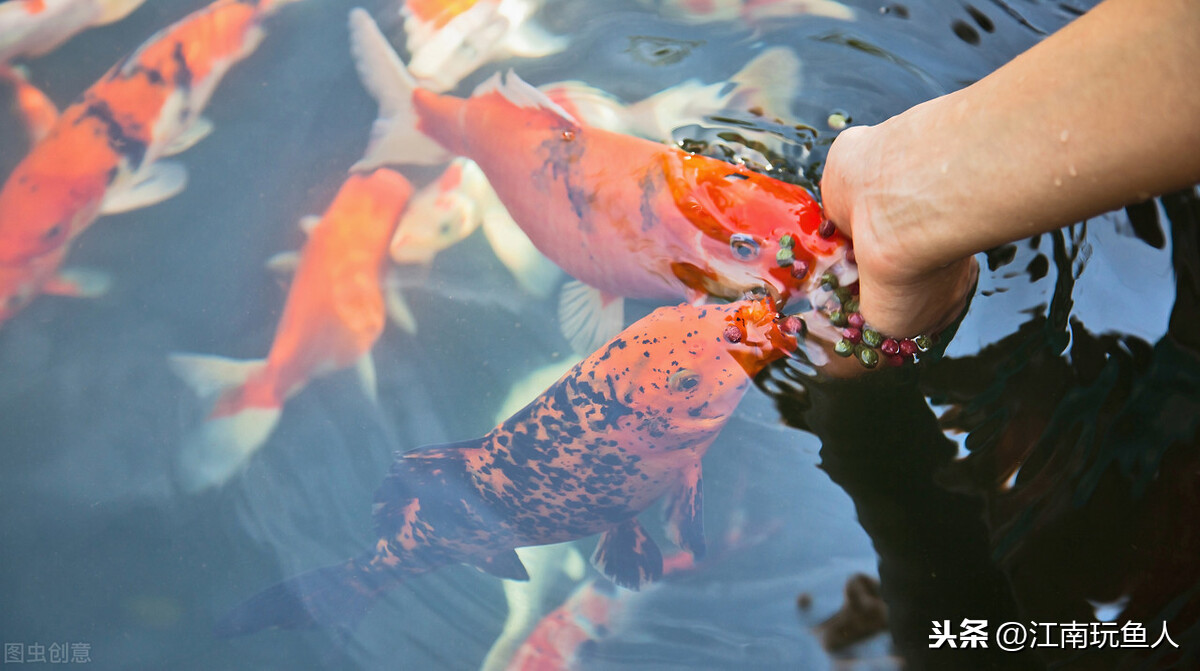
[102, 154]
[30, 28]
[450, 39]
[333, 315]
[620, 430]
[625, 216]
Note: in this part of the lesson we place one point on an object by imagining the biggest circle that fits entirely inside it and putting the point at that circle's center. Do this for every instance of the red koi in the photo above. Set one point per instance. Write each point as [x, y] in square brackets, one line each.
[622, 429]
[333, 315]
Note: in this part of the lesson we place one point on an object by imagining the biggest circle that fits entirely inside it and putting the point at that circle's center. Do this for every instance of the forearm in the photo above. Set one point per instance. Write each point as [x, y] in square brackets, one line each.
[1103, 113]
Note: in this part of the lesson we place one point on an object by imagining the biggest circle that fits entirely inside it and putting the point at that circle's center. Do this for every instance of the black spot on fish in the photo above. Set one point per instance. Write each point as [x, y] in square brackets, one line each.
[118, 138]
[183, 72]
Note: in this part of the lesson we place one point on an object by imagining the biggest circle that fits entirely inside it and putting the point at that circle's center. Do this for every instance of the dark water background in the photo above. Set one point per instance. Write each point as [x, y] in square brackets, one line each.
[1077, 363]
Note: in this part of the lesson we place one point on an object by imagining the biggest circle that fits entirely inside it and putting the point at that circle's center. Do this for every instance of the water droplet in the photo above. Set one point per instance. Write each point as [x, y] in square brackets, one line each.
[1072, 171]
[1063, 136]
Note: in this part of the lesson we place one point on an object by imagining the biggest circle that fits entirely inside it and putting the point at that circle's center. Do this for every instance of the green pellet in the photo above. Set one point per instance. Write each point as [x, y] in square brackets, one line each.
[843, 348]
[851, 305]
[786, 241]
[867, 356]
[837, 318]
[830, 279]
[871, 337]
[843, 295]
[923, 343]
[784, 257]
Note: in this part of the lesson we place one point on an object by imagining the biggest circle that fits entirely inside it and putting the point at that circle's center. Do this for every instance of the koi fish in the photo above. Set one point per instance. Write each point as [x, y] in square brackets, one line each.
[102, 154]
[624, 216]
[588, 615]
[551, 568]
[333, 315]
[622, 429]
[37, 27]
[448, 210]
[753, 12]
[450, 39]
[21, 283]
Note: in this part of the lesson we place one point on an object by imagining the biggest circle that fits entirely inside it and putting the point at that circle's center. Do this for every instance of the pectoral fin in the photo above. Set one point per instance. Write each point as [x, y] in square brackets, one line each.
[157, 183]
[589, 317]
[505, 565]
[284, 263]
[194, 133]
[628, 556]
[684, 514]
[398, 310]
[78, 283]
[365, 367]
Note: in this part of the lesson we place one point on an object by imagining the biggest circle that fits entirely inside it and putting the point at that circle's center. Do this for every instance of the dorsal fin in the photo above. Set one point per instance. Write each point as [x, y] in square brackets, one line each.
[522, 94]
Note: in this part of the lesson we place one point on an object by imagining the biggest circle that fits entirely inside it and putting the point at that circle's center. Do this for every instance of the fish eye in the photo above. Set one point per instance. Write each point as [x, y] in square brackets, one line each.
[743, 246]
[446, 227]
[683, 380]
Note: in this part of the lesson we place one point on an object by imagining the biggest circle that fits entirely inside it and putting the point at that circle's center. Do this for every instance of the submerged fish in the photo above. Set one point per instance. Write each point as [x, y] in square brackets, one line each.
[450, 39]
[753, 12]
[622, 429]
[20, 283]
[448, 210]
[766, 86]
[37, 27]
[625, 216]
[102, 154]
[589, 615]
[333, 315]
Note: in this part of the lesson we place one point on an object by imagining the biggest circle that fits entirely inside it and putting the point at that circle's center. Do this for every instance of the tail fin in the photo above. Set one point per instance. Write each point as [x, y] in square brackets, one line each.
[335, 597]
[234, 430]
[395, 138]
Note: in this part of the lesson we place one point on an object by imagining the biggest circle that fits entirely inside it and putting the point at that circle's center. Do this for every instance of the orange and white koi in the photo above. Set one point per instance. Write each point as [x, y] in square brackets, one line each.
[625, 216]
[102, 154]
[333, 315]
[30, 28]
[752, 12]
[446, 211]
[622, 429]
[450, 39]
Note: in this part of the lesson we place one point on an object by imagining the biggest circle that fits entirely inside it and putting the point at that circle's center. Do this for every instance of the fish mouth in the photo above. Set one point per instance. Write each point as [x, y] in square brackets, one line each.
[761, 334]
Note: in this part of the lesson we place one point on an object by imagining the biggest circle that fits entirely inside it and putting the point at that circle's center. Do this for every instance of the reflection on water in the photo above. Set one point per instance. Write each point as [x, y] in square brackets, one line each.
[1042, 471]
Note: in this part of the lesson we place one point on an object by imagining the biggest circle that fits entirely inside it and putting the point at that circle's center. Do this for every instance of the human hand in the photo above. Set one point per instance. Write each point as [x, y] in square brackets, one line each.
[906, 287]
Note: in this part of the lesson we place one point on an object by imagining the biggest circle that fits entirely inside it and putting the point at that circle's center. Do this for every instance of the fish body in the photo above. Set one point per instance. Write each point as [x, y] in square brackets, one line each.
[450, 39]
[332, 317]
[21, 283]
[30, 28]
[101, 154]
[622, 429]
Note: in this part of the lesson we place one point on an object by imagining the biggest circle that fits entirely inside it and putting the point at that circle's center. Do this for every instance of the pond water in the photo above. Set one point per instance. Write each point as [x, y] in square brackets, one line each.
[1042, 471]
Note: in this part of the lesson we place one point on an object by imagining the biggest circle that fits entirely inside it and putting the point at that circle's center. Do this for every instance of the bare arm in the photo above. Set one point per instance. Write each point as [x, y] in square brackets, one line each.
[1103, 113]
